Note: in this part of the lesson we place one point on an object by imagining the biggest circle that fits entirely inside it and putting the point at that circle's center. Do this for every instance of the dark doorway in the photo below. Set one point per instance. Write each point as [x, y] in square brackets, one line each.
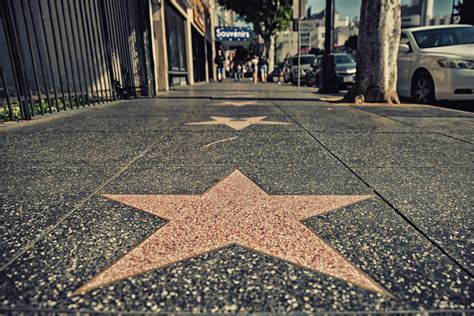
[199, 57]
[210, 62]
[175, 33]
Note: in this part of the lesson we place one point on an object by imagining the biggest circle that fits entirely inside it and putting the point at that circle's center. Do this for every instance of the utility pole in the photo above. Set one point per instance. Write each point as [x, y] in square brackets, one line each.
[298, 13]
[329, 84]
[329, 22]
[299, 47]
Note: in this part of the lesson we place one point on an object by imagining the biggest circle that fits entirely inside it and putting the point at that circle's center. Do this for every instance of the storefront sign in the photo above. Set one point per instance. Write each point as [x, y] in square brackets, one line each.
[200, 14]
[232, 34]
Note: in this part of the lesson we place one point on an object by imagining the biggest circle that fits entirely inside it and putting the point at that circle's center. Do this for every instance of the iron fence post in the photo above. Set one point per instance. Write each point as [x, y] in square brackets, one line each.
[7, 94]
[48, 53]
[45, 82]
[33, 61]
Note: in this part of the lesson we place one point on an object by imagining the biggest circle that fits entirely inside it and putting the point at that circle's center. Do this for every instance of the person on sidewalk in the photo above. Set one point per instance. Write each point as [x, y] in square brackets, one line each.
[227, 68]
[237, 69]
[263, 67]
[219, 61]
[281, 73]
[254, 62]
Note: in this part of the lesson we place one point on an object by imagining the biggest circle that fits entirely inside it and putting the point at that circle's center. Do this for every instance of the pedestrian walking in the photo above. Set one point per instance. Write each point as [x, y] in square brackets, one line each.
[237, 67]
[227, 69]
[263, 68]
[254, 62]
[281, 73]
[219, 61]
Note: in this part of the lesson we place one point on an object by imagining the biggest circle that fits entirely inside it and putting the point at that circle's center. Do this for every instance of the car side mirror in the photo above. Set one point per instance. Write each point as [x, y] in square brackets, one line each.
[404, 48]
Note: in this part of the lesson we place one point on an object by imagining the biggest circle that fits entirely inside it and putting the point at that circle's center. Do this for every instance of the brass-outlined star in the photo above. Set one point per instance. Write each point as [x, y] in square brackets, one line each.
[238, 123]
[235, 211]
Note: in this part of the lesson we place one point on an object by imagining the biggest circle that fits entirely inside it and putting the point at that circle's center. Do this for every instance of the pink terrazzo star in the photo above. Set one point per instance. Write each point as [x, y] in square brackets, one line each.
[238, 123]
[235, 211]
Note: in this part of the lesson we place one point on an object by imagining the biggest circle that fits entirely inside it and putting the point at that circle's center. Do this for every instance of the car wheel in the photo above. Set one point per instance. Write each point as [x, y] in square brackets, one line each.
[423, 88]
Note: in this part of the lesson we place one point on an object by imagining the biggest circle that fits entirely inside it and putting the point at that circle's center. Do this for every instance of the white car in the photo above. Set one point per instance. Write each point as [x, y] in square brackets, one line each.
[436, 63]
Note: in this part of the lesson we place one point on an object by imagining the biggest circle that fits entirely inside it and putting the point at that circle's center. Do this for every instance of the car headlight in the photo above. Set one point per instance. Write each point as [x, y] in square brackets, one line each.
[456, 63]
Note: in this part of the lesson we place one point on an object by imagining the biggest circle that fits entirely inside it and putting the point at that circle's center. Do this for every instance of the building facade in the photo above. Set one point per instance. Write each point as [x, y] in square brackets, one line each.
[421, 13]
[312, 35]
[184, 41]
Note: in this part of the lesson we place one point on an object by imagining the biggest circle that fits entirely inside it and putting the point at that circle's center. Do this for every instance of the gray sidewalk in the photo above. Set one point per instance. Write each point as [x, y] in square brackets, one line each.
[64, 227]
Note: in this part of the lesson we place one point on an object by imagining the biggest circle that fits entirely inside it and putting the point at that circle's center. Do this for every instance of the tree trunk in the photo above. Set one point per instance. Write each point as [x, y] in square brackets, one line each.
[377, 51]
[271, 53]
[266, 45]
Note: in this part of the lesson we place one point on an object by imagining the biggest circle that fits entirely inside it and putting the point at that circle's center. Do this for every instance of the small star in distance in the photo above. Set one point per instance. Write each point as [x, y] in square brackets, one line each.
[238, 123]
[236, 211]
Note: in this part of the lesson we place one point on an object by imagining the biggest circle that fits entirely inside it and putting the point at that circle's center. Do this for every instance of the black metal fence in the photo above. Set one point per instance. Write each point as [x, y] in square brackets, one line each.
[61, 54]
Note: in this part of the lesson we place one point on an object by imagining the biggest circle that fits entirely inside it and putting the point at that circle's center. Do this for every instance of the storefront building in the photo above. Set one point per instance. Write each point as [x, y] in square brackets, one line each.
[184, 42]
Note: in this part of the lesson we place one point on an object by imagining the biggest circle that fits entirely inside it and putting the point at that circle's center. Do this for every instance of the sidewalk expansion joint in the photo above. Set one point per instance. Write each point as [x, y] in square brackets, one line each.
[387, 117]
[403, 216]
[48, 230]
[412, 125]
[455, 138]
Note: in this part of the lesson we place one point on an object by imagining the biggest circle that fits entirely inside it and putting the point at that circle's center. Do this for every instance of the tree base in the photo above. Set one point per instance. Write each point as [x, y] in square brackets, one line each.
[354, 96]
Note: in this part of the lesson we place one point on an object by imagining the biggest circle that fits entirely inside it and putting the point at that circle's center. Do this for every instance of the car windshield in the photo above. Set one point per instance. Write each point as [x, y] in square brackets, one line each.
[344, 59]
[444, 37]
[305, 60]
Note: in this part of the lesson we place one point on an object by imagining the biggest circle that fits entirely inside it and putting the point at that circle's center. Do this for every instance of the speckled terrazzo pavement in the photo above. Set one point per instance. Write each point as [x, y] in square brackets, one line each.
[413, 238]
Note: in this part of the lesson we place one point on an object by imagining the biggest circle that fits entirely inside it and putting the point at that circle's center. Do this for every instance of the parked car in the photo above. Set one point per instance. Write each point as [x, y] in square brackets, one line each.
[436, 63]
[305, 67]
[345, 71]
[312, 77]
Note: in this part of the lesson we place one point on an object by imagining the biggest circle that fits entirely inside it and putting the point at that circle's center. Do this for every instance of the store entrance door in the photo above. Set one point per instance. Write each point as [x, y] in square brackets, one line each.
[199, 57]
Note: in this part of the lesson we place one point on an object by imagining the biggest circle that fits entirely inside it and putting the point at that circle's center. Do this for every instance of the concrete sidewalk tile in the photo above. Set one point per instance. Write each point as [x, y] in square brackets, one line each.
[34, 198]
[398, 150]
[97, 123]
[414, 111]
[437, 200]
[61, 148]
[368, 123]
[441, 124]
[149, 178]
[207, 148]
[323, 179]
[418, 275]
[467, 137]
[150, 107]
[320, 109]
